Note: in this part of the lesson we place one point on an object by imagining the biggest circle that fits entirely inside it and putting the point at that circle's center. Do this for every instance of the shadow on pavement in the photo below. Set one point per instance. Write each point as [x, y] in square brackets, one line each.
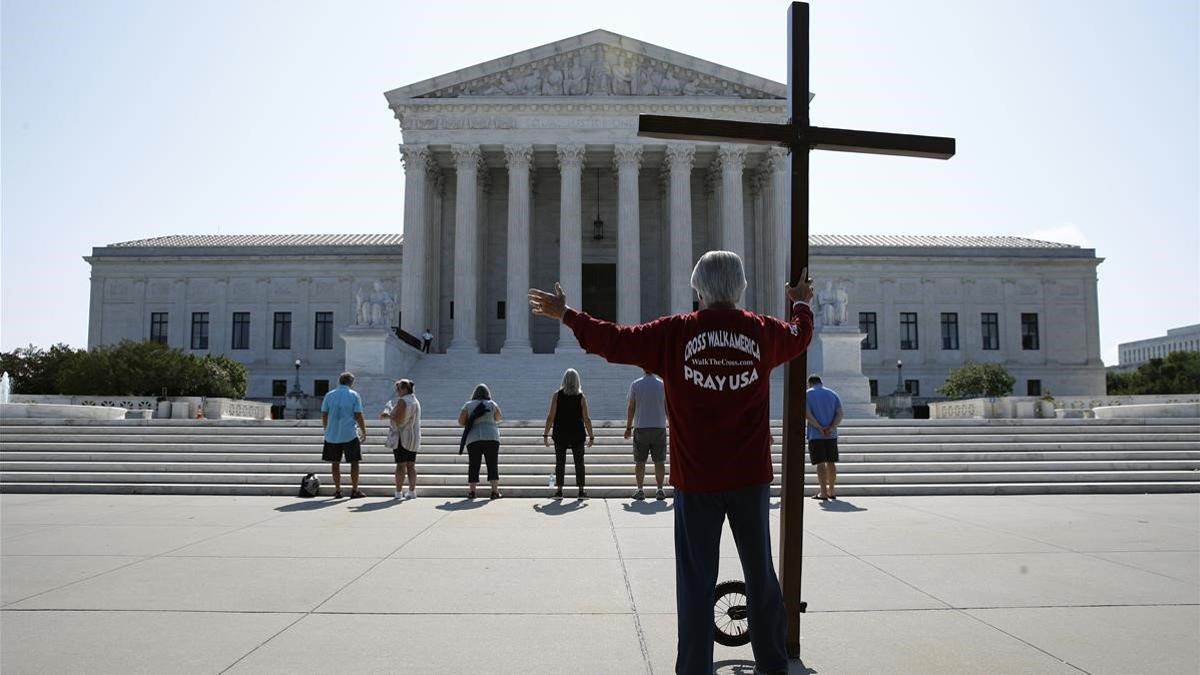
[746, 667]
[560, 508]
[648, 508]
[463, 505]
[311, 505]
[840, 505]
[376, 506]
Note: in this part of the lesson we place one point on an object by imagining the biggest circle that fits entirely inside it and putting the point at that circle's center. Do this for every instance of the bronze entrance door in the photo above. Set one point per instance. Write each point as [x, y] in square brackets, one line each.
[600, 290]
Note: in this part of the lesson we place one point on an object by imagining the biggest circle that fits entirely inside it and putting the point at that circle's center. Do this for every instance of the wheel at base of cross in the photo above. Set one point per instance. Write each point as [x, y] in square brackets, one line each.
[730, 619]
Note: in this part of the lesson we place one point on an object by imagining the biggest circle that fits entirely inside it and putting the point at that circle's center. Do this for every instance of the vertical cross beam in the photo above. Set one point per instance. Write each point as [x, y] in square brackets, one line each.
[791, 518]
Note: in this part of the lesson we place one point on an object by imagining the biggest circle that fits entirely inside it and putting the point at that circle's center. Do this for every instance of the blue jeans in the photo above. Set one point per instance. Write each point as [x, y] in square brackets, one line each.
[698, 522]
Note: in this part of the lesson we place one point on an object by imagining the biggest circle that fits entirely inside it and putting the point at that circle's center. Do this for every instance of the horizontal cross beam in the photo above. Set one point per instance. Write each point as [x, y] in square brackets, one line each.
[702, 129]
[818, 138]
[880, 143]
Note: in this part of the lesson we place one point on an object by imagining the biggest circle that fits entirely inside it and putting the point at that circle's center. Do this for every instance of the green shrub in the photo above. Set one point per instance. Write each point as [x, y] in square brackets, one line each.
[973, 380]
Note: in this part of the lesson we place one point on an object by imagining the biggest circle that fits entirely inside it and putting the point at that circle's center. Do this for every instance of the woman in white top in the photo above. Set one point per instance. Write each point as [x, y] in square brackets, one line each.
[404, 435]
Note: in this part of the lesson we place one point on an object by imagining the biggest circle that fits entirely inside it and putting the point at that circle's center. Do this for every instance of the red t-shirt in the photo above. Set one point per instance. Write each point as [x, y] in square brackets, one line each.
[715, 366]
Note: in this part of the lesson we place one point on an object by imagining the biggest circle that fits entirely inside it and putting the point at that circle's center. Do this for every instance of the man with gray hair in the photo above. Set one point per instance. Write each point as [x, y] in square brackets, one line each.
[716, 365]
[341, 411]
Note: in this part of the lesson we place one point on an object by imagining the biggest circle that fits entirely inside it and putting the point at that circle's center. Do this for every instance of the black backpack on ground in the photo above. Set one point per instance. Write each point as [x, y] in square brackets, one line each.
[310, 486]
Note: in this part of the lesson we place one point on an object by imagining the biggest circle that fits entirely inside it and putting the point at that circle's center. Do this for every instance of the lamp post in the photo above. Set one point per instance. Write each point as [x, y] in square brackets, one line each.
[295, 397]
[899, 377]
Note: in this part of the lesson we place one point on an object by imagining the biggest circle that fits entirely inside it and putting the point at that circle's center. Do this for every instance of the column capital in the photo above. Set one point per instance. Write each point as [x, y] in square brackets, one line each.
[680, 156]
[777, 158]
[732, 156]
[571, 156]
[518, 156]
[414, 156]
[627, 156]
[758, 181]
[466, 156]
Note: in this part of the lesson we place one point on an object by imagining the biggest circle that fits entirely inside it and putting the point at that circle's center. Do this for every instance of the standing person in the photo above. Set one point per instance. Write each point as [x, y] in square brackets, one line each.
[571, 427]
[481, 436]
[646, 423]
[404, 435]
[426, 340]
[716, 365]
[341, 410]
[822, 419]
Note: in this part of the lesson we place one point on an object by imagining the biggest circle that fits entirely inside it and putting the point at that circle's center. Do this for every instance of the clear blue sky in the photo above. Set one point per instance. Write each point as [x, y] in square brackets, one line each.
[1076, 121]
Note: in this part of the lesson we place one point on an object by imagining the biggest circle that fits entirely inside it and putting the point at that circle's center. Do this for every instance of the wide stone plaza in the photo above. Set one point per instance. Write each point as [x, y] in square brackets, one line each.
[110, 583]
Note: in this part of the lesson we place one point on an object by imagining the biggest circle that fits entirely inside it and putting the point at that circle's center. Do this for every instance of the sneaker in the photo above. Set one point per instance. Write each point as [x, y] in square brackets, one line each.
[639, 495]
[660, 495]
[581, 494]
[410, 494]
[558, 493]
[399, 494]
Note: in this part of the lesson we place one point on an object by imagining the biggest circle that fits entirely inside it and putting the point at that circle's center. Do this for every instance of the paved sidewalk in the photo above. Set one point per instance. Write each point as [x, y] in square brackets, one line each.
[1056, 584]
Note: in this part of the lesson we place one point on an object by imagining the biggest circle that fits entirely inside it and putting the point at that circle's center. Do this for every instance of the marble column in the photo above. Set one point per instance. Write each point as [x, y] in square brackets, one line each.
[413, 268]
[570, 237]
[679, 163]
[779, 219]
[466, 248]
[733, 159]
[516, 319]
[433, 255]
[627, 159]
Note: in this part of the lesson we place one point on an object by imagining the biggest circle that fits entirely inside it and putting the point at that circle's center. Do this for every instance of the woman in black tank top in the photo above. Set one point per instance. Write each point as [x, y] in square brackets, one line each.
[569, 426]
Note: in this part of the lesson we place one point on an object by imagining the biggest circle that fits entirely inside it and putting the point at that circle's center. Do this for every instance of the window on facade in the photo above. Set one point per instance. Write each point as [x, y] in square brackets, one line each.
[874, 385]
[913, 387]
[199, 330]
[867, 324]
[500, 310]
[320, 387]
[323, 331]
[158, 327]
[1029, 331]
[282, 333]
[279, 387]
[1033, 388]
[908, 330]
[949, 330]
[241, 331]
[991, 330]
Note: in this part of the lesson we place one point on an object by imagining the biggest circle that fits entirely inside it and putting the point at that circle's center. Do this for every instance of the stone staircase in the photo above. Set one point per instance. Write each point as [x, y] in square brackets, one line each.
[878, 457]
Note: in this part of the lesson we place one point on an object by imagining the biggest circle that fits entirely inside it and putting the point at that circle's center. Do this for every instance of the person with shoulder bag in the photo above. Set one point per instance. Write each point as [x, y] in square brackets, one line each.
[481, 437]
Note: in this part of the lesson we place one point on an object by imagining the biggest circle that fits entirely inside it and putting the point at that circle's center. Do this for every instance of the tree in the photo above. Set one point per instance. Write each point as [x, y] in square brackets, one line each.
[35, 370]
[149, 368]
[973, 380]
[1176, 373]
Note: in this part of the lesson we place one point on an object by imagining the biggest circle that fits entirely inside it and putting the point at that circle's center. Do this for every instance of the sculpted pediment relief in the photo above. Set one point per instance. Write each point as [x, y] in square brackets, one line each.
[598, 63]
[599, 70]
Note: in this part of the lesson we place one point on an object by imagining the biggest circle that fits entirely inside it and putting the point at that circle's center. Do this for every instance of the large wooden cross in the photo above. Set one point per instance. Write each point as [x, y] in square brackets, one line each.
[800, 137]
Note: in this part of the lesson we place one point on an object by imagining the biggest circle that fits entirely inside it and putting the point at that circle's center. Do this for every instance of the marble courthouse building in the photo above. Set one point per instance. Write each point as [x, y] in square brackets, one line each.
[527, 170]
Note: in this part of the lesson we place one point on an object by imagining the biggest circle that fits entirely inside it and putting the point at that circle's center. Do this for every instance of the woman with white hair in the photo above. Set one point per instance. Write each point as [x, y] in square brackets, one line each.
[568, 425]
[481, 436]
[716, 365]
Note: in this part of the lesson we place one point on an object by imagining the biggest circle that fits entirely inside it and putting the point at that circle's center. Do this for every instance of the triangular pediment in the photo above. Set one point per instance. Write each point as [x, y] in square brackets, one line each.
[598, 63]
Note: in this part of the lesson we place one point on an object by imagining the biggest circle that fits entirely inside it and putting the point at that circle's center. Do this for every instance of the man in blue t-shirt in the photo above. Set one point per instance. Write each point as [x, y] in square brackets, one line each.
[345, 430]
[823, 417]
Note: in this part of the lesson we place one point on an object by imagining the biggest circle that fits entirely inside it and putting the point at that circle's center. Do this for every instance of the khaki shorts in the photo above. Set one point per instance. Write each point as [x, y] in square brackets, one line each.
[651, 443]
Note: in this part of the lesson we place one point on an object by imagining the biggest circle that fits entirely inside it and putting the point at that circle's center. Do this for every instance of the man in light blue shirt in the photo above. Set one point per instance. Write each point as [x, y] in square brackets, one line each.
[345, 430]
[646, 422]
[824, 416]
